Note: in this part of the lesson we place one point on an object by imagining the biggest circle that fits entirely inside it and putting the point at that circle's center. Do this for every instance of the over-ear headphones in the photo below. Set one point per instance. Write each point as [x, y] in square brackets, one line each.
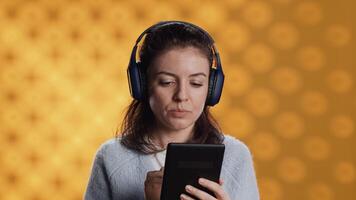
[137, 78]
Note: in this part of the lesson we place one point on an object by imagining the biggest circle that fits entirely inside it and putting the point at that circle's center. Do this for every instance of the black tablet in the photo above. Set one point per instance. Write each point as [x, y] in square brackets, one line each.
[186, 163]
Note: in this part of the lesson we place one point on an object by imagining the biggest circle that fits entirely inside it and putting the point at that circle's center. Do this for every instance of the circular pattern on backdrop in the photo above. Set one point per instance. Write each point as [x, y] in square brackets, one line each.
[265, 146]
[339, 81]
[292, 170]
[32, 13]
[310, 58]
[308, 13]
[257, 14]
[122, 16]
[10, 36]
[74, 14]
[344, 172]
[342, 126]
[289, 125]
[238, 123]
[283, 35]
[338, 35]
[259, 57]
[283, 1]
[286, 80]
[316, 148]
[240, 78]
[314, 103]
[320, 191]
[235, 38]
[168, 11]
[270, 189]
[212, 11]
[261, 102]
[234, 3]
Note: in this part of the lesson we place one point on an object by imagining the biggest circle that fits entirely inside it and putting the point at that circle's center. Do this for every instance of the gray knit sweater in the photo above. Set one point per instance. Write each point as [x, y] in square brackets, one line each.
[119, 173]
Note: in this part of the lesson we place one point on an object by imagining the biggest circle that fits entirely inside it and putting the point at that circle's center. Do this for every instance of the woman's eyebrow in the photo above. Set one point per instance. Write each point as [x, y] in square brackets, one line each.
[165, 73]
[198, 74]
[174, 75]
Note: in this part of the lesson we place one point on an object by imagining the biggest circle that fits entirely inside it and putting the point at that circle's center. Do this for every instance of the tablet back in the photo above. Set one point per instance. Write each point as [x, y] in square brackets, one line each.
[186, 163]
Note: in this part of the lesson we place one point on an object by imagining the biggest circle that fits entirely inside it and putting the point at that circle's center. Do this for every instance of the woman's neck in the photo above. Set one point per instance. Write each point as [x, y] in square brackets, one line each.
[163, 137]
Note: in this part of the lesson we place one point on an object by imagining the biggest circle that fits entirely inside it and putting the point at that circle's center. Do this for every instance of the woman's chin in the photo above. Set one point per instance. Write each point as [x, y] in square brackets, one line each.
[177, 125]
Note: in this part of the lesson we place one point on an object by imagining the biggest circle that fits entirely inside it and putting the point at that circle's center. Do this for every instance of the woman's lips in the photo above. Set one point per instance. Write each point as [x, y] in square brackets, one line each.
[178, 113]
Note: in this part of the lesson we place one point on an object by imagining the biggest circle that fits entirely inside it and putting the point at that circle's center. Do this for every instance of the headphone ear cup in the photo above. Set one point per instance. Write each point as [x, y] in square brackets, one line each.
[211, 86]
[135, 79]
[216, 83]
[143, 83]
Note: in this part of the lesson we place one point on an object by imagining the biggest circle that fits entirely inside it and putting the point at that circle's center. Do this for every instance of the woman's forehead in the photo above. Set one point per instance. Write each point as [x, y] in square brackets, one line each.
[188, 60]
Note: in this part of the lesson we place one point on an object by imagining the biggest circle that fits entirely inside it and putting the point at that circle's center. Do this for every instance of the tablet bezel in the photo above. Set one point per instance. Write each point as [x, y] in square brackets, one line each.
[194, 160]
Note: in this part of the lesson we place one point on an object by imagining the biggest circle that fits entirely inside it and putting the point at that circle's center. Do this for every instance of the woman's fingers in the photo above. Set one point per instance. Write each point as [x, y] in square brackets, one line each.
[154, 180]
[198, 193]
[154, 177]
[154, 174]
[214, 187]
[153, 184]
[221, 181]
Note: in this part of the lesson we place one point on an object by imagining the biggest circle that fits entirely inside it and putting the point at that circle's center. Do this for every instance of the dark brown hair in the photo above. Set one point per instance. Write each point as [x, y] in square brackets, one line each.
[139, 120]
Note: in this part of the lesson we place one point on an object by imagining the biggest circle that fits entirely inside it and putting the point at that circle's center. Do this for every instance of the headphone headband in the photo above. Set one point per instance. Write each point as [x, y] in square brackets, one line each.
[172, 22]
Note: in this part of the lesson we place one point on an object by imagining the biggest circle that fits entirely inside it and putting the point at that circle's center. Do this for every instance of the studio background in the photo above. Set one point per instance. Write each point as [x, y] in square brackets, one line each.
[289, 92]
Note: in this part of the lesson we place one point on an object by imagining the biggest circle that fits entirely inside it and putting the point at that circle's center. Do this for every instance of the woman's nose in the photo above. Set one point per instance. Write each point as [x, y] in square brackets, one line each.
[181, 93]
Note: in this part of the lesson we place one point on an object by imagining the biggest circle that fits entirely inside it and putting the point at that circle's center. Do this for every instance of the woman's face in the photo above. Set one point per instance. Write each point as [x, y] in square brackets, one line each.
[178, 87]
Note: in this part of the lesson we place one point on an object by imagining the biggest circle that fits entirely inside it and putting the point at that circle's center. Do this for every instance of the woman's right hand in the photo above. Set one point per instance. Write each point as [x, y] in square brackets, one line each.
[153, 184]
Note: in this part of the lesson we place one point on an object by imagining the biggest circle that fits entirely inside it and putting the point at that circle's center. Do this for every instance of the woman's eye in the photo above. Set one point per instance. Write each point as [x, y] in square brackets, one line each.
[166, 83]
[197, 84]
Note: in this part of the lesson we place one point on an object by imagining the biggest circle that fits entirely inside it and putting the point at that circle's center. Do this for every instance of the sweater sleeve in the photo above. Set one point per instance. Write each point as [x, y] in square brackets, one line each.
[248, 189]
[99, 184]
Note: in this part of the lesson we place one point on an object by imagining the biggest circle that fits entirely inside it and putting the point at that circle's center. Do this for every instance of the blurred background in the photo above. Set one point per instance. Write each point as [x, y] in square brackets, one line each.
[289, 92]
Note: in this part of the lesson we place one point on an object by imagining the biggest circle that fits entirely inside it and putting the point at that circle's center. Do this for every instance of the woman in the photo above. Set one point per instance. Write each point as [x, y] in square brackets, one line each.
[177, 78]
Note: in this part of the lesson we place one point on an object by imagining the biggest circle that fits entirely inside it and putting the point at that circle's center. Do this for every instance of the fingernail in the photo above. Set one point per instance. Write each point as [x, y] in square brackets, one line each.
[182, 196]
[188, 187]
[201, 180]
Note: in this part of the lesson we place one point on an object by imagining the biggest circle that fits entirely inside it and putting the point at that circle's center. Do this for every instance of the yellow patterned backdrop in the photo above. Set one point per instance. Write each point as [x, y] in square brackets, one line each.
[289, 94]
